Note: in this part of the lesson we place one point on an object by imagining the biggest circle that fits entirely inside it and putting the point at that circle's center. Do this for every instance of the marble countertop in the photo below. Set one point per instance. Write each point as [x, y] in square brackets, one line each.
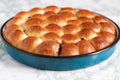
[107, 70]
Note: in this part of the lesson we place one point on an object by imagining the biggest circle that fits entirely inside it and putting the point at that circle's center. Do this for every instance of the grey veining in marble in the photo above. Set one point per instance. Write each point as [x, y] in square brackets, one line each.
[107, 70]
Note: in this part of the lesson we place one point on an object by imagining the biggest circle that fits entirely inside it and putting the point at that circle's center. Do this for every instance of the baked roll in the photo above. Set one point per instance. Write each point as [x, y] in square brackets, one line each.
[85, 47]
[49, 48]
[69, 49]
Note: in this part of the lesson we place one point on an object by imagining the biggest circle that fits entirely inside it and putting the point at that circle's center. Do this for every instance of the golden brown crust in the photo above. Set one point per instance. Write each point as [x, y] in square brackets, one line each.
[108, 27]
[37, 31]
[68, 9]
[22, 14]
[49, 48]
[84, 19]
[11, 28]
[36, 10]
[57, 31]
[85, 47]
[70, 38]
[16, 37]
[39, 16]
[74, 22]
[51, 37]
[71, 29]
[68, 16]
[34, 22]
[109, 37]
[99, 42]
[89, 25]
[49, 13]
[54, 28]
[57, 19]
[69, 50]
[29, 44]
[52, 8]
[87, 34]
[85, 13]
[99, 19]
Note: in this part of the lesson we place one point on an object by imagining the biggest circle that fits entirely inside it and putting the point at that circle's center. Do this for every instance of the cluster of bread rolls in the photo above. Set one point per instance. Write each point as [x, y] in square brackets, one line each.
[54, 31]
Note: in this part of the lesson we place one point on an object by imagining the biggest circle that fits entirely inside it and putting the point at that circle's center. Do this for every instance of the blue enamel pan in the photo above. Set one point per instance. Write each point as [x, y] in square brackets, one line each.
[60, 62]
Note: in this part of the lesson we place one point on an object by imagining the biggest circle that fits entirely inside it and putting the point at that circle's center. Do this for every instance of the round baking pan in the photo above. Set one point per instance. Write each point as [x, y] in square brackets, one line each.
[60, 62]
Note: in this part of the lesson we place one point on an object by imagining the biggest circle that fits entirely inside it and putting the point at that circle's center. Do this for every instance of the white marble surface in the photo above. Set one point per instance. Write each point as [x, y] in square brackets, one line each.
[107, 70]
